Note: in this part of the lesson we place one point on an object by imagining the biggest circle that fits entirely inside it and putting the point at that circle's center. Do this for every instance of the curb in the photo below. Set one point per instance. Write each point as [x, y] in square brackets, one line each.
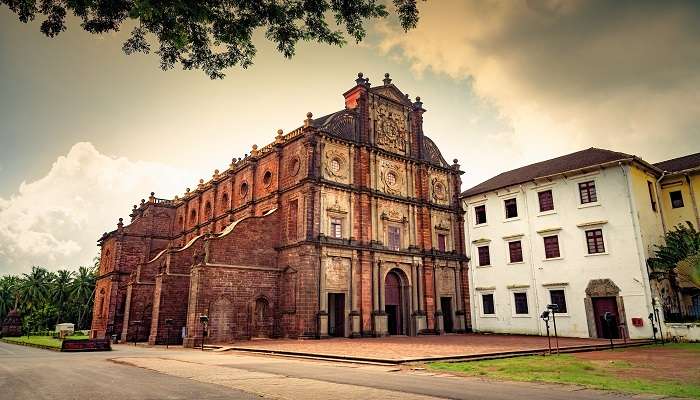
[455, 358]
[38, 346]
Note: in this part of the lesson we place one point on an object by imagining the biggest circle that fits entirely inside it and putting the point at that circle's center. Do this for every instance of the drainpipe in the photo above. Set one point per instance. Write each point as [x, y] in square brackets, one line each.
[533, 280]
[692, 198]
[643, 267]
[659, 200]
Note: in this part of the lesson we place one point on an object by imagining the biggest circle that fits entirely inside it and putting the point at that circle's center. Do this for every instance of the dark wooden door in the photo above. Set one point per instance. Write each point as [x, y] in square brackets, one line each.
[602, 305]
[446, 306]
[336, 317]
[392, 303]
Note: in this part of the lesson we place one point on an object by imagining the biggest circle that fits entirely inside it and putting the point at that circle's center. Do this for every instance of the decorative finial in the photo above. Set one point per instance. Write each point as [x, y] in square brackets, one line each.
[143, 201]
[360, 79]
[307, 121]
[153, 193]
[120, 224]
[135, 207]
[201, 181]
[187, 190]
[455, 161]
[387, 80]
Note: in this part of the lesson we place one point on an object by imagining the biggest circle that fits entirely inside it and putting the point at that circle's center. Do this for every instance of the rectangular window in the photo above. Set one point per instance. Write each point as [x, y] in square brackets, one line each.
[487, 302]
[394, 238]
[546, 200]
[652, 198]
[516, 251]
[484, 257]
[520, 303]
[511, 208]
[442, 242]
[480, 213]
[594, 239]
[336, 228]
[551, 247]
[587, 192]
[292, 221]
[676, 199]
[557, 297]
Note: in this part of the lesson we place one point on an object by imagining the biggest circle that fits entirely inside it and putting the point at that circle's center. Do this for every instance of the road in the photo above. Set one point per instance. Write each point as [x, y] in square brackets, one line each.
[131, 372]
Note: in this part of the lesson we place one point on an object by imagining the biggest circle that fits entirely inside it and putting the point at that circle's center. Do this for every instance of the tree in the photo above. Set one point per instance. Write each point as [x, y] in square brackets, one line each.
[679, 255]
[83, 292]
[60, 291]
[35, 288]
[9, 295]
[213, 35]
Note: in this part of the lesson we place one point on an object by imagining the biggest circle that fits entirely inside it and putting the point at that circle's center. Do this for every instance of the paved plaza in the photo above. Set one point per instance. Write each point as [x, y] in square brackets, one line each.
[421, 348]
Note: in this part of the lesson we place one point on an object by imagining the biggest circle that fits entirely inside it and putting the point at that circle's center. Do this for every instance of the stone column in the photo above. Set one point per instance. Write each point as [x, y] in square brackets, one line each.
[322, 302]
[439, 327]
[354, 297]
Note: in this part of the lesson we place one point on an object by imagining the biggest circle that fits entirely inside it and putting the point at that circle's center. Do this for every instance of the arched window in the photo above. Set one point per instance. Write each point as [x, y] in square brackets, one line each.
[267, 178]
[193, 216]
[207, 210]
[244, 189]
[224, 200]
[261, 307]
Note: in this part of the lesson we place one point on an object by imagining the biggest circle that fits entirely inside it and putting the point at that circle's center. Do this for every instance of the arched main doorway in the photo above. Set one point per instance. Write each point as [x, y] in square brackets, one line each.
[395, 303]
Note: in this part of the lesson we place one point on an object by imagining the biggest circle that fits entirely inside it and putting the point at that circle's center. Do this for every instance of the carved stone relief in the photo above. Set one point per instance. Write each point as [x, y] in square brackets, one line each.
[335, 164]
[393, 177]
[337, 270]
[439, 192]
[447, 281]
[391, 128]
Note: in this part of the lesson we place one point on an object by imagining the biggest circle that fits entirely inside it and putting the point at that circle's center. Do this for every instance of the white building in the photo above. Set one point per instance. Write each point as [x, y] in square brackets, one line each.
[574, 230]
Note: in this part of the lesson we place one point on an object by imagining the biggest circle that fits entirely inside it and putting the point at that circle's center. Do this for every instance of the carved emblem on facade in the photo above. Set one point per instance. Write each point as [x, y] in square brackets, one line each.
[447, 280]
[391, 128]
[439, 190]
[337, 273]
[336, 164]
[337, 208]
[393, 178]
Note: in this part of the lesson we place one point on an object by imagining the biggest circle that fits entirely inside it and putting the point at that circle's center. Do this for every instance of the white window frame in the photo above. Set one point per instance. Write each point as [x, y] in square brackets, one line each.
[537, 200]
[606, 244]
[596, 182]
[566, 298]
[486, 210]
[525, 290]
[492, 292]
[503, 207]
[507, 242]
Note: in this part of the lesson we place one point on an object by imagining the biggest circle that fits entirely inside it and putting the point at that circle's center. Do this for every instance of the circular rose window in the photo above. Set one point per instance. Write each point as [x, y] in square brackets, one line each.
[335, 165]
[390, 178]
[267, 178]
[244, 189]
[294, 167]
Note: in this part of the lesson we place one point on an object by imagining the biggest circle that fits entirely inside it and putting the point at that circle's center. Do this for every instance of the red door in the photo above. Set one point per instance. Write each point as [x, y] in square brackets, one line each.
[602, 305]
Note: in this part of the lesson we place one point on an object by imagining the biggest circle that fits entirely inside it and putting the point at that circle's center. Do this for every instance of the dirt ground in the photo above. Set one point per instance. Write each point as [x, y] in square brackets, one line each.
[407, 348]
[671, 362]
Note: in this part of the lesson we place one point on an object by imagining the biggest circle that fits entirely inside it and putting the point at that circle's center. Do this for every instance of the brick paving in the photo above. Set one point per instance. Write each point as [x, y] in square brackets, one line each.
[401, 348]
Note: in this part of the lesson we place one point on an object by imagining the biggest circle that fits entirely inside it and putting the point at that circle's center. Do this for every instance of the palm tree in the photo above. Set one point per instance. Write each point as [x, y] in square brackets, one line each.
[9, 295]
[682, 247]
[35, 288]
[60, 291]
[83, 291]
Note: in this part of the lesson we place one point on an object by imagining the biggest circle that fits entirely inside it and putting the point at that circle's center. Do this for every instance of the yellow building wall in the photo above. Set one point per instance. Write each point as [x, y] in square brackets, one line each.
[675, 216]
[649, 219]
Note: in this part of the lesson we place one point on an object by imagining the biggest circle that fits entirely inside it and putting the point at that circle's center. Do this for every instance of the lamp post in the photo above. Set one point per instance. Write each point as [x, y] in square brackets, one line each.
[554, 308]
[168, 322]
[204, 320]
[655, 303]
[545, 318]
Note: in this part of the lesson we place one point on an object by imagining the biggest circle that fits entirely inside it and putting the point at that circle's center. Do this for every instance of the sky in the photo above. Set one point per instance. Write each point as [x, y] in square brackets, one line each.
[86, 131]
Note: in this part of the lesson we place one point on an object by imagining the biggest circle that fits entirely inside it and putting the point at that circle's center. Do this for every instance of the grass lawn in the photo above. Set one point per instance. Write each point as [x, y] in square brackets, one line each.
[614, 374]
[43, 340]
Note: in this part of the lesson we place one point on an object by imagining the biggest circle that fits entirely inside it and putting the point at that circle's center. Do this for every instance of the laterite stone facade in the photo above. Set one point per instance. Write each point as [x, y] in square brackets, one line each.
[349, 225]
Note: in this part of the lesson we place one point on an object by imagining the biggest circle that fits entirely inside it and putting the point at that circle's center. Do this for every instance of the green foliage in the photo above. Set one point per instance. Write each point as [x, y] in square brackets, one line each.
[213, 35]
[682, 244]
[45, 298]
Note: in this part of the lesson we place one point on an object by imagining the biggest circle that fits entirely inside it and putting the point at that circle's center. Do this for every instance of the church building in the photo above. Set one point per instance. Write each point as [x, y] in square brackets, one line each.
[350, 225]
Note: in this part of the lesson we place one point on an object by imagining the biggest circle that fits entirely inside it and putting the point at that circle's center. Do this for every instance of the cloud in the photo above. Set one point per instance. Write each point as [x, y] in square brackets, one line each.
[566, 74]
[55, 220]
